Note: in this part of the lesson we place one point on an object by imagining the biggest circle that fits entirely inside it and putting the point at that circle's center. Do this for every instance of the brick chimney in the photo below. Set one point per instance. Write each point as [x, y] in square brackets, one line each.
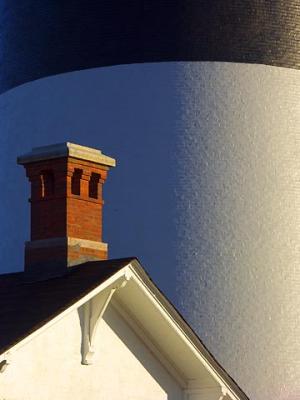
[66, 207]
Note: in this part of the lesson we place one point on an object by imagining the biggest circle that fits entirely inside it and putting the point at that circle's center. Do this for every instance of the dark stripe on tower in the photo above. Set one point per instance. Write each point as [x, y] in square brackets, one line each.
[53, 36]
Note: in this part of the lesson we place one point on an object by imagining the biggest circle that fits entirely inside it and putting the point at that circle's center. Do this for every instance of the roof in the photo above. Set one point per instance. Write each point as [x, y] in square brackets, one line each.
[27, 307]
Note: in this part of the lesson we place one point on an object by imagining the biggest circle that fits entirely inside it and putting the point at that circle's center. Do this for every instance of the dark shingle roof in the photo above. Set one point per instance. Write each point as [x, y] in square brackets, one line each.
[26, 306]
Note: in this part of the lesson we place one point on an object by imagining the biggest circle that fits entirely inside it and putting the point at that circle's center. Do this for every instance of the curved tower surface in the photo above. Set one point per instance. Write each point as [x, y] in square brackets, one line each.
[199, 101]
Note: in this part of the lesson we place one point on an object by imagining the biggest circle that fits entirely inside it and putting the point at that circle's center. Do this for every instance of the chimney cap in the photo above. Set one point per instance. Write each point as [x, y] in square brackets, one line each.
[66, 149]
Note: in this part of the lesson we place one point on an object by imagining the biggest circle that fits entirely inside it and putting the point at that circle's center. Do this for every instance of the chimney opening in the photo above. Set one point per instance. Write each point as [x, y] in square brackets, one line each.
[75, 182]
[47, 183]
[94, 185]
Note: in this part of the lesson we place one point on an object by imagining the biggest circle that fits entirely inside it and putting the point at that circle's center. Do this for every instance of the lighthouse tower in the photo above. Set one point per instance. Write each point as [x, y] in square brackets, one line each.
[199, 100]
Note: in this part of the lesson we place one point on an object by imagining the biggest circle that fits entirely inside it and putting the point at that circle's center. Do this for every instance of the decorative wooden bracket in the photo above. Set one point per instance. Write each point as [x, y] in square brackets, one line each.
[93, 311]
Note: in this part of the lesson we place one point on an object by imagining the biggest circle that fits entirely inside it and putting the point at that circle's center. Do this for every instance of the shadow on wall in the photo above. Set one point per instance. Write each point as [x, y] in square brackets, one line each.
[129, 112]
[139, 351]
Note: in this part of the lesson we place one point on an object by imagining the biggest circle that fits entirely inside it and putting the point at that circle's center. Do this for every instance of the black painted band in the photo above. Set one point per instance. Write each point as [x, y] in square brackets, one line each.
[43, 38]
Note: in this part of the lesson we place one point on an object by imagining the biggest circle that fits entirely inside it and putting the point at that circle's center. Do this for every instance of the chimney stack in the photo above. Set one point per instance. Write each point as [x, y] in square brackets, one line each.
[66, 207]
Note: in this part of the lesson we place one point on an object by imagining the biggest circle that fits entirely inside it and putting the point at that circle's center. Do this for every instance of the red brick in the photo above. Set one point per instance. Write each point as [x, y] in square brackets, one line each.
[56, 212]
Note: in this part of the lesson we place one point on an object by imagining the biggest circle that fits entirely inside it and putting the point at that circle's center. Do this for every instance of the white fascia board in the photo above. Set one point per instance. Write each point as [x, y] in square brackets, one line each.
[154, 296]
[117, 278]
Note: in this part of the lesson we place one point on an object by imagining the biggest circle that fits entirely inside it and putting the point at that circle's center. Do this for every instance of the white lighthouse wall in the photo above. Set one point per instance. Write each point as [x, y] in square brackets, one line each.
[49, 367]
[238, 213]
[206, 194]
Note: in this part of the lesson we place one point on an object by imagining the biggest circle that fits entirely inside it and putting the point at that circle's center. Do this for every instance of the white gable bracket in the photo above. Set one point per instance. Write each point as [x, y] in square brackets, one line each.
[93, 311]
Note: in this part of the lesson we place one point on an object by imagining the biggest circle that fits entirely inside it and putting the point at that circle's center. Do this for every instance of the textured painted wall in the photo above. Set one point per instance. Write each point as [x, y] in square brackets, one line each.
[50, 366]
[238, 207]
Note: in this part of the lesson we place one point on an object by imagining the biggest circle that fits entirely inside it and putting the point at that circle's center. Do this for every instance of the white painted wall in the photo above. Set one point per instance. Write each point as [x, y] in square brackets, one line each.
[206, 194]
[49, 367]
[238, 214]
